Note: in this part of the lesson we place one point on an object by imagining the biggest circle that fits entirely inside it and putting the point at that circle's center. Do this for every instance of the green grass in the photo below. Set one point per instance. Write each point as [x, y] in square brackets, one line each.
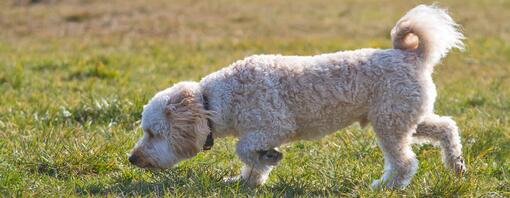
[75, 75]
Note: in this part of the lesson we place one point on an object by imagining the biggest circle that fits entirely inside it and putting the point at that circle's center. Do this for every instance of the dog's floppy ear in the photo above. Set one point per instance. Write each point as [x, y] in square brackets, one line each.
[170, 108]
[183, 103]
[188, 120]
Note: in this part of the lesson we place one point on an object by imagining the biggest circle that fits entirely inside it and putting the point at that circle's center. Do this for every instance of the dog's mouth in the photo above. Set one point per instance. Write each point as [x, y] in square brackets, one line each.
[147, 164]
[142, 162]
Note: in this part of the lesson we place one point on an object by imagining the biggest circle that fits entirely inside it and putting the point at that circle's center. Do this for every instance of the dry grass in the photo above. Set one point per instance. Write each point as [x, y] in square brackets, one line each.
[205, 20]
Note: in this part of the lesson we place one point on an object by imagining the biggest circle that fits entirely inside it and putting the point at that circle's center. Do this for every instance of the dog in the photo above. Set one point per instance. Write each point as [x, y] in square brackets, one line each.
[270, 100]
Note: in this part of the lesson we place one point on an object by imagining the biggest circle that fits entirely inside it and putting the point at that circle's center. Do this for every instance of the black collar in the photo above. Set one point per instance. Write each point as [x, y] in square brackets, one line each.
[209, 142]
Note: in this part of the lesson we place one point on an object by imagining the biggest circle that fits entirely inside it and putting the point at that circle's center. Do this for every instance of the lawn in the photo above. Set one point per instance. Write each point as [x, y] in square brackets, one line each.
[75, 75]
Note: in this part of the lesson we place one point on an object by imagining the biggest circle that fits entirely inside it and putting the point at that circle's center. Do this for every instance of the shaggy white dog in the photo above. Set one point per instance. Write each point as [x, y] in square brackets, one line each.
[270, 100]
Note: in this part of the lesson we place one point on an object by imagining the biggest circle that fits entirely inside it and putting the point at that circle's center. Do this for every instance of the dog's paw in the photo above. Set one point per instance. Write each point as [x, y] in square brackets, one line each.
[376, 184]
[387, 184]
[270, 157]
[459, 167]
[250, 182]
[232, 179]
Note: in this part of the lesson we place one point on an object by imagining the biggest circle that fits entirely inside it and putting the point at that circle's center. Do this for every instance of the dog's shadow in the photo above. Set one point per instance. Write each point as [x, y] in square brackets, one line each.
[153, 183]
[126, 188]
[175, 184]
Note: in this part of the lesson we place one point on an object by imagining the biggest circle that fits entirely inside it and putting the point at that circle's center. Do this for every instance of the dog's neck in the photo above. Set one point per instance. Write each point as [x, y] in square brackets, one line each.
[209, 142]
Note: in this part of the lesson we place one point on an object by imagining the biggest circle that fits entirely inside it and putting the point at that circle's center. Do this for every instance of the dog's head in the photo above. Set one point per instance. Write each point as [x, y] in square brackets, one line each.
[174, 125]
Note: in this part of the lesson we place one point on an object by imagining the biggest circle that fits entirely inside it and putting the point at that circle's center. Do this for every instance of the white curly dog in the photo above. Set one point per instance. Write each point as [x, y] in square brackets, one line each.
[270, 100]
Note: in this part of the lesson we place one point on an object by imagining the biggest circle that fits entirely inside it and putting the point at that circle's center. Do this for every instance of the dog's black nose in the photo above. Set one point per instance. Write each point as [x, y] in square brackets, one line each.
[132, 159]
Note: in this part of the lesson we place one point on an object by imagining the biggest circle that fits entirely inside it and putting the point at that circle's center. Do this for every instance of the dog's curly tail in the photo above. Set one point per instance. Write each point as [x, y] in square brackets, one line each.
[428, 31]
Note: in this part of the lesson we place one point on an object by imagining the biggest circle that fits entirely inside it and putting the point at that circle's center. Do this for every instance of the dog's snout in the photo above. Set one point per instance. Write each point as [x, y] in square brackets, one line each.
[132, 159]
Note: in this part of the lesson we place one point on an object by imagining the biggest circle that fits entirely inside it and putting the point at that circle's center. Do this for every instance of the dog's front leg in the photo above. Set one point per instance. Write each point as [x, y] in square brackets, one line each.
[256, 168]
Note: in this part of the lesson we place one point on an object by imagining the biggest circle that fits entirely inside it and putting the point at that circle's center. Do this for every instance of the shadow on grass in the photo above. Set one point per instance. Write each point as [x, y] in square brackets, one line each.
[125, 187]
[292, 186]
[203, 183]
[179, 180]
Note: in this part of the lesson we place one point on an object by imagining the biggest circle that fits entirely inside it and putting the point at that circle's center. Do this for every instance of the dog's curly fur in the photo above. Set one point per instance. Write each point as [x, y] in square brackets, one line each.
[270, 100]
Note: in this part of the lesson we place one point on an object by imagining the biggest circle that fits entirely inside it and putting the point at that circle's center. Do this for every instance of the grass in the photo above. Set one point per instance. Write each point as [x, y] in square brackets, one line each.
[75, 75]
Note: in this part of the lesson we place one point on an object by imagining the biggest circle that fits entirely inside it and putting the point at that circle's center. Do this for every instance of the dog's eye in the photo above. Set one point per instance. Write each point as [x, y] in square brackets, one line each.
[149, 132]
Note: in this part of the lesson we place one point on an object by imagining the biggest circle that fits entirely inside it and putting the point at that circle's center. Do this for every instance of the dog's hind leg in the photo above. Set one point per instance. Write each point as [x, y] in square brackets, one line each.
[400, 162]
[394, 131]
[442, 131]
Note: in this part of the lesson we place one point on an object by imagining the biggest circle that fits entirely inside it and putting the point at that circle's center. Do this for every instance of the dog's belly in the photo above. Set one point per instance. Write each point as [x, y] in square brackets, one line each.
[313, 133]
[314, 125]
